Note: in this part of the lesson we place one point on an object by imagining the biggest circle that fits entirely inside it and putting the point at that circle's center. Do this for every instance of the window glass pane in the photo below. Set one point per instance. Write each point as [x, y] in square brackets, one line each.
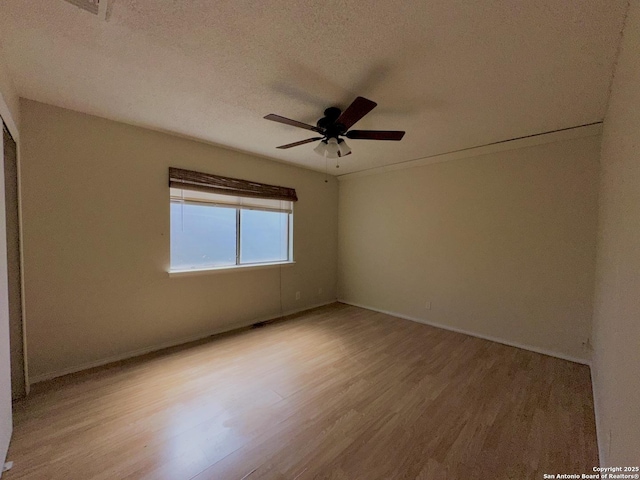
[263, 236]
[202, 236]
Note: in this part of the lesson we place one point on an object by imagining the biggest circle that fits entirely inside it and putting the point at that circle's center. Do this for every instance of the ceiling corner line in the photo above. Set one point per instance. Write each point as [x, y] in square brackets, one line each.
[553, 136]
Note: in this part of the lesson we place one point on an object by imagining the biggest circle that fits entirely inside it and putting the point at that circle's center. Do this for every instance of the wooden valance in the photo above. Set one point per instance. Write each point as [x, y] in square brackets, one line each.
[189, 180]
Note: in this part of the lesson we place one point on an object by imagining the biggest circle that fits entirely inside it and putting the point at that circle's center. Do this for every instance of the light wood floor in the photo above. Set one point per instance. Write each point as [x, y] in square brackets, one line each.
[335, 393]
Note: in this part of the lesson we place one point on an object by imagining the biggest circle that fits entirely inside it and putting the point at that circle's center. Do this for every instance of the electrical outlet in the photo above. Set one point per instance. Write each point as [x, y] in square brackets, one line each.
[297, 295]
[428, 306]
[319, 291]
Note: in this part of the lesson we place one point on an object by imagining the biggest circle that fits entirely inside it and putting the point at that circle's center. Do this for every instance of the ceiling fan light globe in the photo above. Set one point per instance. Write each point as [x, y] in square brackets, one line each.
[343, 148]
[332, 147]
[321, 148]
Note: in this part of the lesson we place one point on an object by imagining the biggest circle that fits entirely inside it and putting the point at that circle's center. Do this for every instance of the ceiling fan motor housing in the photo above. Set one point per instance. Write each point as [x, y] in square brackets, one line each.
[328, 123]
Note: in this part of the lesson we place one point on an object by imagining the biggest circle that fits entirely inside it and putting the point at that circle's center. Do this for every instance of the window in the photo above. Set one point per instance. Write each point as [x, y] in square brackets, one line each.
[212, 230]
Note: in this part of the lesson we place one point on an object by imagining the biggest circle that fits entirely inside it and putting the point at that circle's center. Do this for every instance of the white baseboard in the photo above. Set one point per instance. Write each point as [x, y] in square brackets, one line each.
[474, 334]
[173, 343]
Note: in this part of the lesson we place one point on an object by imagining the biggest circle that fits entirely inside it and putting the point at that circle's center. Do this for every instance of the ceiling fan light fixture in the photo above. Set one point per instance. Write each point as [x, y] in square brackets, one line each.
[335, 123]
[321, 148]
[332, 147]
[343, 148]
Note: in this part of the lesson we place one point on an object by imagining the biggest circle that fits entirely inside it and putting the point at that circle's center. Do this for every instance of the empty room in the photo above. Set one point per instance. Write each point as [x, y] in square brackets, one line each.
[298, 240]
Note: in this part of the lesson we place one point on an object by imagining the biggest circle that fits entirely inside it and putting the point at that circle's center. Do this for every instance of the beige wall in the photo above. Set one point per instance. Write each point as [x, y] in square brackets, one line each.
[96, 242]
[616, 365]
[502, 245]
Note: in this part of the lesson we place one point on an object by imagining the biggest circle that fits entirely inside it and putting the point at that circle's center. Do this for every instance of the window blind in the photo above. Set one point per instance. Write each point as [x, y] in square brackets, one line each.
[232, 201]
[206, 182]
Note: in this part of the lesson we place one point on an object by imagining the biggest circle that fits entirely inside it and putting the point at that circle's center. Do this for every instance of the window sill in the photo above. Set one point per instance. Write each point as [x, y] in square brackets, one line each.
[233, 268]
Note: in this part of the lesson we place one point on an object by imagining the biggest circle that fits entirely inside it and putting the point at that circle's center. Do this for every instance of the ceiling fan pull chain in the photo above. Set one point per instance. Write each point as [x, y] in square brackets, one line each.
[326, 170]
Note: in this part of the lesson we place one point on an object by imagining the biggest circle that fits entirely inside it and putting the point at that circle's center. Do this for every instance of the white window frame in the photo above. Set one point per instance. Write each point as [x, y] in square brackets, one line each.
[222, 202]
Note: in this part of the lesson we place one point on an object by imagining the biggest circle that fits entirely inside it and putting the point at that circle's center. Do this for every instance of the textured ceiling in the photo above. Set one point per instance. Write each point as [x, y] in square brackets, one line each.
[452, 73]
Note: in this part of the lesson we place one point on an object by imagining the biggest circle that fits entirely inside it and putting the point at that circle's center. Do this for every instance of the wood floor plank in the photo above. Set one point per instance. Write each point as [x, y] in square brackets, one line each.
[334, 393]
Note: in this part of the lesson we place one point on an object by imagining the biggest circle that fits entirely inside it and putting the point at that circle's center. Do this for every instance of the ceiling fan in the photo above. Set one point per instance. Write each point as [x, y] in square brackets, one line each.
[336, 124]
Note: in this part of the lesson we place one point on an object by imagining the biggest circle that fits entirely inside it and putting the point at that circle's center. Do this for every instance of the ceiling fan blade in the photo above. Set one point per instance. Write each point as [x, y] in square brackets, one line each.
[354, 112]
[293, 123]
[301, 142]
[375, 134]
